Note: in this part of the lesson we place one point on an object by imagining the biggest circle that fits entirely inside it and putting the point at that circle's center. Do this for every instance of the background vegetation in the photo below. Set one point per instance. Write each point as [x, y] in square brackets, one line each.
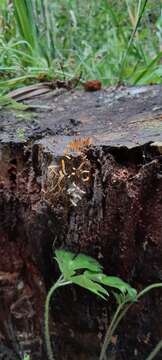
[115, 41]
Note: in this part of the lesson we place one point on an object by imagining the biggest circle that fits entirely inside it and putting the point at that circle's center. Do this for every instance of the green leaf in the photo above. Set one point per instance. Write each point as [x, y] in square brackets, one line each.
[92, 277]
[120, 298]
[84, 281]
[82, 261]
[65, 262]
[69, 263]
[115, 282]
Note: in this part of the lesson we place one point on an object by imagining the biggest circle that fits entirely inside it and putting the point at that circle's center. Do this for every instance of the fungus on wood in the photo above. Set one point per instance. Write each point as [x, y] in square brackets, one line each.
[81, 171]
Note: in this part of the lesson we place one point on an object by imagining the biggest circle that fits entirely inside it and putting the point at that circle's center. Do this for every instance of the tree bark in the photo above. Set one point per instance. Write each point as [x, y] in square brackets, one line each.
[80, 171]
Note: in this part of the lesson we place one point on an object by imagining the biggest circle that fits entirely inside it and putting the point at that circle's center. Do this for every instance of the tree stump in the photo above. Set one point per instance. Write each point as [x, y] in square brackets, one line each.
[80, 171]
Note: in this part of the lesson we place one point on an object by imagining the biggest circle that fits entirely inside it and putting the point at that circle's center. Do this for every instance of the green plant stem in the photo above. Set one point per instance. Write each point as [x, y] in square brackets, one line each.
[118, 316]
[148, 288]
[109, 332]
[155, 351]
[60, 282]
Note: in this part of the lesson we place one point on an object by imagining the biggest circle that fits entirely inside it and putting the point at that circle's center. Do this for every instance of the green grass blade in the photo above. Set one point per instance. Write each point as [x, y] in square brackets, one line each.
[147, 69]
[141, 10]
[115, 22]
[26, 22]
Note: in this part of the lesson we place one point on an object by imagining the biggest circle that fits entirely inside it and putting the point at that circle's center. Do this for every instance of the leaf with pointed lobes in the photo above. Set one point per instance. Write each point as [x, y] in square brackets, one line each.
[86, 282]
[115, 282]
[69, 263]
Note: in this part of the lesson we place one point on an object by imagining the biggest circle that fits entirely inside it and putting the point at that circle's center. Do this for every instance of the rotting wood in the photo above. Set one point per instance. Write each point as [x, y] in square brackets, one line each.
[118, 218]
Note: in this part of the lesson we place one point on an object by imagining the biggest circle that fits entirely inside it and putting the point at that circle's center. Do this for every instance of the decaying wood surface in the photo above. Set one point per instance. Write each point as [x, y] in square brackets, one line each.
[104, 200]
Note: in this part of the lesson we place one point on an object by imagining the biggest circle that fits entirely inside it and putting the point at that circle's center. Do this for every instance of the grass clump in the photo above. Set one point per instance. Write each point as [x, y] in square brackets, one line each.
[109, 40]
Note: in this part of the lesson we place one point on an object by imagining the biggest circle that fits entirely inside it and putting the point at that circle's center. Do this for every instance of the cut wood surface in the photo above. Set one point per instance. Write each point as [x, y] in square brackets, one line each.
[82, 171]
[127, 116]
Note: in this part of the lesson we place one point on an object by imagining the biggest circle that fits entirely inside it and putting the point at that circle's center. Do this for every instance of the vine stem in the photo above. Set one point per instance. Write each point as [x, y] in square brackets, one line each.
[148, 288]
[118, 316]
[109, 332]
[155, 351]
[60, 282]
